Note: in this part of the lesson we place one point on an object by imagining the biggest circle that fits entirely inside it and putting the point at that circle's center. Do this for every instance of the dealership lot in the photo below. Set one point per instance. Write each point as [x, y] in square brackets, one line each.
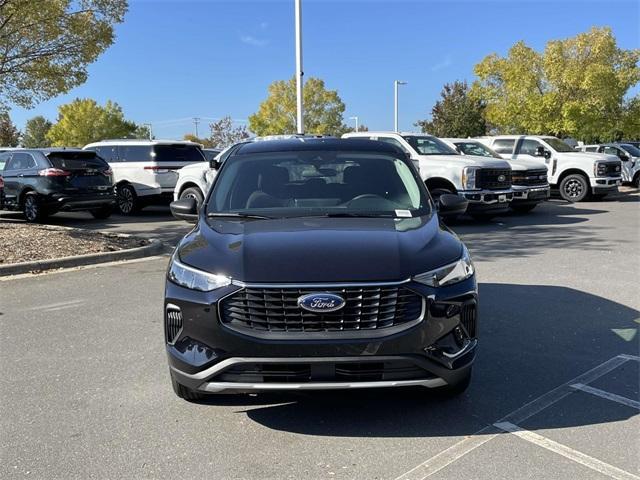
[86, 392]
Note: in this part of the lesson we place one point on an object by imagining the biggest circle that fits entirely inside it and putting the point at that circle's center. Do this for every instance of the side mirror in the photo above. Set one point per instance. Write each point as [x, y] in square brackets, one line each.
[450, 205]
[214, 164]
[185, 209]
[623, 157]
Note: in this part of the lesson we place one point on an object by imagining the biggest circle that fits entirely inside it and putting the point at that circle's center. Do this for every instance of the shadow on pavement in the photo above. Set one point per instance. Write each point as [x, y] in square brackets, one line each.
[533, 339]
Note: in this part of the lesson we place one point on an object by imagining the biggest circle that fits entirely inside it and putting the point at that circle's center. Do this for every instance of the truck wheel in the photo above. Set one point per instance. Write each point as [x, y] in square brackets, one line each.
[636, 180]
[195, 193]
[33, 210]
[436, 192]
[523, 208]
[574, 188]
[186, 393]
[128, 202]
[102, 213]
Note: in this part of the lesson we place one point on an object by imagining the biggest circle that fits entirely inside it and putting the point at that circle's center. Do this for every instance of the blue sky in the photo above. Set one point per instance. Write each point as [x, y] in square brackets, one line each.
[173, 60]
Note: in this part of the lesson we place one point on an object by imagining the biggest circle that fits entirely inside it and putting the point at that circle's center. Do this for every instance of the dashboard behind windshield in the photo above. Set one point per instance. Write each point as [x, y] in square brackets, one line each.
[428, 145]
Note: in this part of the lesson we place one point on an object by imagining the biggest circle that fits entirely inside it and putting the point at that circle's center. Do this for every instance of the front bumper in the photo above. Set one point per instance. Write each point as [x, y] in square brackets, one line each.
[524, 194]
[605, 184]
[208, 356]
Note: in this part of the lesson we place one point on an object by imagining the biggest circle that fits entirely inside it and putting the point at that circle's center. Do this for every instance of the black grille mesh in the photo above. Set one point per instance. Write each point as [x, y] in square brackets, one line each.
[173, 323]
[488, 178]
[277, 310]
[468, 315]
[530, 178]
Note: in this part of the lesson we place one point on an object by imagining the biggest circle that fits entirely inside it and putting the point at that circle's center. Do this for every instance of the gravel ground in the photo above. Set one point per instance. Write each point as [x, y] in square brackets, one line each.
[25, 243]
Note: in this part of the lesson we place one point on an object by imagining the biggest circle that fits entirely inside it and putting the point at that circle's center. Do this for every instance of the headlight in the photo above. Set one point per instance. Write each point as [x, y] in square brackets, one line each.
[449, 274]
[469, 178]
[600, 169]
[194, 279]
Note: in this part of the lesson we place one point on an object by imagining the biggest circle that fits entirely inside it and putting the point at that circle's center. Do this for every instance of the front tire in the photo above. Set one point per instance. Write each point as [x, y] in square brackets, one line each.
[128, 202]
[195, 193]
[636, 181]
[574, 188]
[186, 393]
[32, 208]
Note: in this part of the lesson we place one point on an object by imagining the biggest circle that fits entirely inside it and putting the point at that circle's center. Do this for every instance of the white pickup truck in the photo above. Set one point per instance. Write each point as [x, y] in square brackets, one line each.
[485, 183]
[628, 154]
[575, 174]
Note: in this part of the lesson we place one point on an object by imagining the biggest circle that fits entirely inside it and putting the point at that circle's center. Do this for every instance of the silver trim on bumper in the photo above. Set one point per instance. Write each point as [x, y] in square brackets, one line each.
[483, 193]
[215, 387]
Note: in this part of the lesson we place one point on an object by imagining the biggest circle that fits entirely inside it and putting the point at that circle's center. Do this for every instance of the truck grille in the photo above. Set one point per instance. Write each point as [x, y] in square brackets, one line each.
[530, 178]
[614, 169]
[493, 178]
[277, 310]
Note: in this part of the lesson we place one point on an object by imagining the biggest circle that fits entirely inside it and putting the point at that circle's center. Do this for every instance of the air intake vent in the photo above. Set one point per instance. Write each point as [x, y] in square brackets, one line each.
[173, 323]
[468, 318]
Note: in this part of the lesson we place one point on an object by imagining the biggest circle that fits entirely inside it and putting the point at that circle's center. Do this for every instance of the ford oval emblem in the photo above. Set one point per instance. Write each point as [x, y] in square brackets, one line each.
[321, 302]
[501, 178]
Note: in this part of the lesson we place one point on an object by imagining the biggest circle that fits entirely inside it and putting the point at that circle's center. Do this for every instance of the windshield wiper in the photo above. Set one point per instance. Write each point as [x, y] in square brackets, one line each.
[237, 215]
[354, 214]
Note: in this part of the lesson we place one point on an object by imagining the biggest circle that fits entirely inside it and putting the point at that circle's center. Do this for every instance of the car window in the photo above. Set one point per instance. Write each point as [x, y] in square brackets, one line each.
[107, 152]
[77, 160]
[476, 148]
[178, 153]
[558, 145]
[591, 149]
[633, 151]
[317, 183]
[21, 161]
[504, 145]
[4, 158]
[135, 153]
[611, 150]
[392, 141]
[529, 147]
[428, 145]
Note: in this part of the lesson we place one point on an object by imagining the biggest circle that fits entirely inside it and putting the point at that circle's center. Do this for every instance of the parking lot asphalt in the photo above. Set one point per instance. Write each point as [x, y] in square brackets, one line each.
[86, 393]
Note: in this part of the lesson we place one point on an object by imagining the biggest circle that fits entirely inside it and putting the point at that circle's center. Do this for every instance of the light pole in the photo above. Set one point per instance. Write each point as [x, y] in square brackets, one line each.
[395, 103]
[356, 119]
[299, 72]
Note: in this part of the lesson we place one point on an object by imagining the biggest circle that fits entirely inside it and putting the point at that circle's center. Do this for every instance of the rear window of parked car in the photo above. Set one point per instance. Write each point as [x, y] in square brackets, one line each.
[178, 153]
[503, 145]
[76, 160]
[135, 153]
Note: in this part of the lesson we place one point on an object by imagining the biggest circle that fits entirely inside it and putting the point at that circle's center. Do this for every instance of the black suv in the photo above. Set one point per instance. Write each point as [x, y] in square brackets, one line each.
[44, 181]
[319, 264]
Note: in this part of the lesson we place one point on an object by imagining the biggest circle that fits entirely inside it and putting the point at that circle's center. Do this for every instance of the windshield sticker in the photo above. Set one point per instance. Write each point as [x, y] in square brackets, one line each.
[403, 213]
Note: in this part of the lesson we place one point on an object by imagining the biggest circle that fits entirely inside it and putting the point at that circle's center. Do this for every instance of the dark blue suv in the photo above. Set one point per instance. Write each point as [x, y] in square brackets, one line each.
[319, 264]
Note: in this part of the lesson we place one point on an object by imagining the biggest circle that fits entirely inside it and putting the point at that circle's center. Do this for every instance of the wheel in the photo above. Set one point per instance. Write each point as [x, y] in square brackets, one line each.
[574, 188]
[449, 391]
[436, 192]
[636, 181]
[195, 193]
[186, 393]
[32, 209]
[523, 208]
[128, 202]
[102, 213]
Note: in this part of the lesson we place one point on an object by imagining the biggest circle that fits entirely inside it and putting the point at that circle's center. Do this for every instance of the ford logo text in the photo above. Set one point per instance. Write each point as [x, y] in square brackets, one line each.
[321, 302]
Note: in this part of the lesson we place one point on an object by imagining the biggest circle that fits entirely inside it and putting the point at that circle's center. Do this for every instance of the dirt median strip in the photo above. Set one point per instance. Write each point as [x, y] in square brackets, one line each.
[32, 248]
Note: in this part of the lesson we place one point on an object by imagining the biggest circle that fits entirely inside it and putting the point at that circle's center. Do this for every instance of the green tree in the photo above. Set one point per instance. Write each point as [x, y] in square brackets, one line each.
[277, 114]
[35, 133]
[205, 142]
[224, 133]
[9, 134]
[456, 114]
[84, 121]
[142, 132]
[576, 87]
[46, 45]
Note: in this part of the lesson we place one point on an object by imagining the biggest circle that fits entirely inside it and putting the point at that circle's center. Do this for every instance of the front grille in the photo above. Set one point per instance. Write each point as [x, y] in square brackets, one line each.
[351, 371]
[489, 178]
[468, 314]
[277, 310]
[613, 169]
[530, 178]
[173, 323]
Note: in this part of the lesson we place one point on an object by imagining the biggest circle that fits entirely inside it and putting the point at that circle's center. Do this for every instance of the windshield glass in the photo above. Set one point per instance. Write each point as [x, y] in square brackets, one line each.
[77, 160]
[178, 153]
[630, 149]
[476, 148]
[558, 145]
[318, 183]
[428, 145]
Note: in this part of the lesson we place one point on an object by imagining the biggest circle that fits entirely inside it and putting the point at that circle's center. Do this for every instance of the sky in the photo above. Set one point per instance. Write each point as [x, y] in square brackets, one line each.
[173, 60]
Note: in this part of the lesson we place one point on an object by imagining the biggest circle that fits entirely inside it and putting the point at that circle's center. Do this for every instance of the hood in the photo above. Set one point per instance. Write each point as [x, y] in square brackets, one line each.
[591, 156]
[305, 250]
[522, 164]
[468, 160]
[196, 167]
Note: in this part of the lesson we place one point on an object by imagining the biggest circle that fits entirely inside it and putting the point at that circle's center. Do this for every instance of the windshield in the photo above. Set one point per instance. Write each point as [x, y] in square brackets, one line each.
[77, 160]
[178, 153]
[428, 145]
[318, 183]
[476, 148]
[558, 145]
[630, 149]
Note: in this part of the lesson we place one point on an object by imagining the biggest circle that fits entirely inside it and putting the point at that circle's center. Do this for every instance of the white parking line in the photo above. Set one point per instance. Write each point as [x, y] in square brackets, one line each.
[570, 453]
[458, 450]
[607, 395]
[59, 306]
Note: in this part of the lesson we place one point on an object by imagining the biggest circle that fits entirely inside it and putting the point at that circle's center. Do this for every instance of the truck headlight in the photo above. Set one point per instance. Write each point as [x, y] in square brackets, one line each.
[600, 169]
[449, 274]
[469, 178]
[189, 277]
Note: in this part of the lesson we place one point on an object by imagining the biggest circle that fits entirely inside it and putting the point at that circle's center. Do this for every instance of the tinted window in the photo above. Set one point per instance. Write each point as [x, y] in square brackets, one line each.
[590, 149]
[392, 141]
[316, 183]
[529, 147]
[558, 145]
[210, 154]
[107, 152]
[504, 145]
[3, 160]
[476, 148]
[21, 161]
[634, 151]
[427, 145]
[77, 161]
[135, 153]
[178, 153]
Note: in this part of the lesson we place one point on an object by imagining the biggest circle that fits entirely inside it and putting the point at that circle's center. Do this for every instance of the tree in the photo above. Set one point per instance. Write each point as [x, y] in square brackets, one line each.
[277, 114]
[35, 133]
[84, 121]
[456, 115]
[576, 87]
[361, 128]
[9, 134]
[45, 46]
[205, 142]
[223, 133]
[143, 132]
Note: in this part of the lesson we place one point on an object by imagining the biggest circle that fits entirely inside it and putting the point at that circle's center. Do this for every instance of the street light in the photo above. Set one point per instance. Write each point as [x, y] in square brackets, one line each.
[356, 119]
[299, 72]
[395, 103]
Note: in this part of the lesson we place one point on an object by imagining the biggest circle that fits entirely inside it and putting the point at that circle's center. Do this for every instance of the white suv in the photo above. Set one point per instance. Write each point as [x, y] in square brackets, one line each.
[484, 182]
[575, 174]
[529, 177]
[145, 171]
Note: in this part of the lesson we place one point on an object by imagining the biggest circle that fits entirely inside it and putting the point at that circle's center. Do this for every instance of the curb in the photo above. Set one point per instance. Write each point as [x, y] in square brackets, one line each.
[155, 247]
